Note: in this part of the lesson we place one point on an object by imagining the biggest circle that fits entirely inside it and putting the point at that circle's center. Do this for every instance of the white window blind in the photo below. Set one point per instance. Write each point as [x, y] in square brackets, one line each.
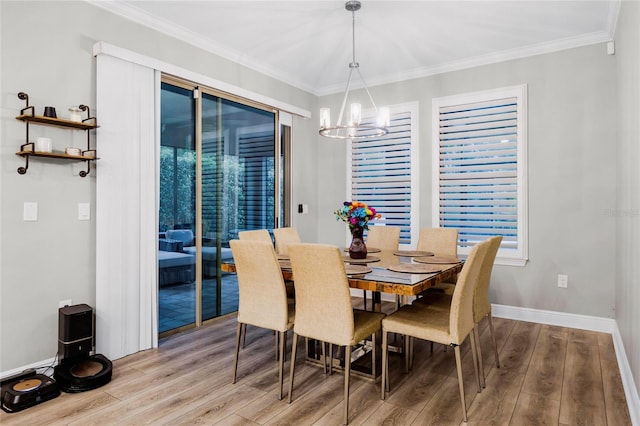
[383, 174]
[480, 169]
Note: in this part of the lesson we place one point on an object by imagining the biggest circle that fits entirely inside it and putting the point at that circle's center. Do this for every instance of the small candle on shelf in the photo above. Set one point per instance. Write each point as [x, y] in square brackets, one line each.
[75, 114]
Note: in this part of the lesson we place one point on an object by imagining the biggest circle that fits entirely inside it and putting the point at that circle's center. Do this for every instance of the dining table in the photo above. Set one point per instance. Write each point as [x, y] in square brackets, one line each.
[403, 273]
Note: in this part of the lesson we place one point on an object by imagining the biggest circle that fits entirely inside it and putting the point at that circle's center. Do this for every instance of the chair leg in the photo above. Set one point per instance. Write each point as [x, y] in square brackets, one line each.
[283, 339]
[456, 349]
[411, 342]
[474, 354]
[406, 348]
[476, 333]
[373, 355]
[347, 375]
[330, 359]
[364, 295]
[385, 370]
[324, 356]
[277, 339]
[235, 360]
[244, 334]
[294, 345]
[493, 337]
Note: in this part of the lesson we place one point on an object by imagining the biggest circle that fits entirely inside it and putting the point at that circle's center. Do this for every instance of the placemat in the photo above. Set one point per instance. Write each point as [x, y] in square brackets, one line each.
[368, 259]
[284, 264]
[413, 253]
[437, 259]
[415, 268]
[356, 269]
[369, 249]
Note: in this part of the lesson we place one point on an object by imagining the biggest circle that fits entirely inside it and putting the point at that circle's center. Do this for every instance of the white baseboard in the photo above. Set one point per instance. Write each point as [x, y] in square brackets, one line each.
[583, 322]
[36, 365]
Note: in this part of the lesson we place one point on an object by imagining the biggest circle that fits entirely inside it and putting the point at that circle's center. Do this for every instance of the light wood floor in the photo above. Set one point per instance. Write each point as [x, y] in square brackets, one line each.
[548, 375]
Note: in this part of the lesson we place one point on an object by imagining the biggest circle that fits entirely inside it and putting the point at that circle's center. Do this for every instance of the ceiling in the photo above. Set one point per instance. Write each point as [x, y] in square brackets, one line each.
[308, 43]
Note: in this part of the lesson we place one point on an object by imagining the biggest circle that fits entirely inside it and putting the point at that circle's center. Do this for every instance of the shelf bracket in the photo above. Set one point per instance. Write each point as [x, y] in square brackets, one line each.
[84, 173]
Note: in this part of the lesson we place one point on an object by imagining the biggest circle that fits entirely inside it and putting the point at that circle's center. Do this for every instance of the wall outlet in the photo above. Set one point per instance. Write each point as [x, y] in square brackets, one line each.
[64, 303]
[563, 281]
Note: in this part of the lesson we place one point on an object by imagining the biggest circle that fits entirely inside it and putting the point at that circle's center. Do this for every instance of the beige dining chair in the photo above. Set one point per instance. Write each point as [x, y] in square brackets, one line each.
[285, 237]
[441, 242]
[448, 327]
[323, 307]
[481, 304]
[384, 238]
[262, 295]
[256, 235]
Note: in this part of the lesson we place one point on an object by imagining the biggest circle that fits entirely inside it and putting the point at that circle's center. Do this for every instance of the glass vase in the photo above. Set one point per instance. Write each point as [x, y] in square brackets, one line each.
[357, 249]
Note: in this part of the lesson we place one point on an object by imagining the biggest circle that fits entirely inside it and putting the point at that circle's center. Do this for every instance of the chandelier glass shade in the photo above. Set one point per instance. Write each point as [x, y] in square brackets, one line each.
[352, 127]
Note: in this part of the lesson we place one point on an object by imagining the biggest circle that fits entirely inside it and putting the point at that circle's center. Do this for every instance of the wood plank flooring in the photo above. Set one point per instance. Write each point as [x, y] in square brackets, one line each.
[548, 375]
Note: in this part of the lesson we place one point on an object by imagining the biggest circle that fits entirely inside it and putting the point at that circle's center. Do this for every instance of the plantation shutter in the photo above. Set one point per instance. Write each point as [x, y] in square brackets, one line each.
[479, 171]
[381, 173]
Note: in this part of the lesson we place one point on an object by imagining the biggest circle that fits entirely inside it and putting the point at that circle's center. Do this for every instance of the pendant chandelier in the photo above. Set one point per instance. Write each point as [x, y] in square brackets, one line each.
[353, 127]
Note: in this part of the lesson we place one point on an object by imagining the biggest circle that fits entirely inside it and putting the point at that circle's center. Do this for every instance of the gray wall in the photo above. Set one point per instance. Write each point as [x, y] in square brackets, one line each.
[628, 173]
[572, 179]
[46, 51]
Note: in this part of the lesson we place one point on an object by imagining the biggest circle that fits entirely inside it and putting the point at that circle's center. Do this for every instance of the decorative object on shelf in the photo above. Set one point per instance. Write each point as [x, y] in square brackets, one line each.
[43, 148]
[357, 215]
[72, 151]
[50, 112]
[354, 129]
[75, 114]
[44, 144]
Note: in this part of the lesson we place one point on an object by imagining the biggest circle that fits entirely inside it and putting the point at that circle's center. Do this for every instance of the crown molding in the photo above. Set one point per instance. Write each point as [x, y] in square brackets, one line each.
[139, 16]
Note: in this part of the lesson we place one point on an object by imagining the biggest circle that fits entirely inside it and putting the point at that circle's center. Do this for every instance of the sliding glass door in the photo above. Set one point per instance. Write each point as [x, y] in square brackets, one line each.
[218, 176]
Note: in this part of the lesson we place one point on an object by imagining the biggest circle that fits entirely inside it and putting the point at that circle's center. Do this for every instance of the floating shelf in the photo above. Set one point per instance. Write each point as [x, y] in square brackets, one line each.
[59, 122]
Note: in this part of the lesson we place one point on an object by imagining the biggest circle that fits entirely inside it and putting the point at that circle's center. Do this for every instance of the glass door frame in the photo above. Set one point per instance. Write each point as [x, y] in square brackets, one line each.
[198, 91]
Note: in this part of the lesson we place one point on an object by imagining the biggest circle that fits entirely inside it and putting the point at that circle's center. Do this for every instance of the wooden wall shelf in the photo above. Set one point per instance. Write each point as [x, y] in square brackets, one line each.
[27, 150]
[59, 122]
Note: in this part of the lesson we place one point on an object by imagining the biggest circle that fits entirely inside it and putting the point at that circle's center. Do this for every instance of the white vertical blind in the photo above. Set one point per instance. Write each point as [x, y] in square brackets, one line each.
[480, 182]
[382, 172]
[126, 208]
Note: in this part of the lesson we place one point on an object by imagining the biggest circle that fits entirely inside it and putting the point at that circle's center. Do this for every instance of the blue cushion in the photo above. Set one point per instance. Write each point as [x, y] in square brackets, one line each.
[184, 235]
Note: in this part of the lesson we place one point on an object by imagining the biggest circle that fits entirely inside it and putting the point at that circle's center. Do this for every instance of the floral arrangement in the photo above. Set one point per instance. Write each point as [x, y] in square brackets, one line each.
[356, 214]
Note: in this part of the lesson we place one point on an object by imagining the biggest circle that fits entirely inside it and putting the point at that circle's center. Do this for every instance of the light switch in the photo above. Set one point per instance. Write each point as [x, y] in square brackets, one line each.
[30, 212]
[84, 211]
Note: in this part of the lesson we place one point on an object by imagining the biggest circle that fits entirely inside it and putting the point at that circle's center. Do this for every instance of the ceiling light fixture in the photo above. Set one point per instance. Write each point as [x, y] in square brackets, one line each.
[354, 129]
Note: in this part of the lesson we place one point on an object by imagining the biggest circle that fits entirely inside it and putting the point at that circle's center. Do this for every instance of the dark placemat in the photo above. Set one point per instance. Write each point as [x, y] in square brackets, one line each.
[413, 253]
[368, 259]
[415, 268]
[369, 249]
[437, 259]
[356, 269]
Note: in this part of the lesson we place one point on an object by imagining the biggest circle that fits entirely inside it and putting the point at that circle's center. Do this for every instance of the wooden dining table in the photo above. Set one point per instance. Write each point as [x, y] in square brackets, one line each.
[379, 274]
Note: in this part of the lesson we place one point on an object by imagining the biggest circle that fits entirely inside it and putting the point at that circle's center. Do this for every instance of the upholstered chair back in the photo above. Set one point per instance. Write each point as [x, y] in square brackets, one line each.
[383, 237]
[263, 298]
[461, 312]
[482, 307]
[440, 241]
[323, 301]
[284, 237]
[256, 234]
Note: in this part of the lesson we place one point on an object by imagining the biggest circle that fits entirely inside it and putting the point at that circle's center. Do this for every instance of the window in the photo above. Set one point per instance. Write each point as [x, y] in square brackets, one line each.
[479, 167]
[382, 172]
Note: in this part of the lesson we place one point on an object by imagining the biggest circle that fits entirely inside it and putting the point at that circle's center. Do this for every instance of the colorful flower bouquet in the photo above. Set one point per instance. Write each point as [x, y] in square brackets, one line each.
[356, 214]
